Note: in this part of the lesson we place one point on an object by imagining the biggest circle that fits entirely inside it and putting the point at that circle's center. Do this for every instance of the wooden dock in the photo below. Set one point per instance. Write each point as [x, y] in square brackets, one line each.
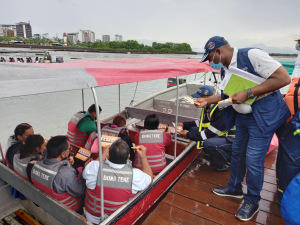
[191, 201]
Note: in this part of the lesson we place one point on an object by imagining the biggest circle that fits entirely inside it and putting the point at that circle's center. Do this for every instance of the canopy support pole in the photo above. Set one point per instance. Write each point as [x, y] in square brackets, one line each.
[205, 78]
[100, 172]
[119, 99]
[2, 155]
[176, 121]
[217, 86]
[82, 94]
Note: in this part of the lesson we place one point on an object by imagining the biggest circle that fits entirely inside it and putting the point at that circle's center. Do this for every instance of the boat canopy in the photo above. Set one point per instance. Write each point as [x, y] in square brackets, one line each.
[18, 79]
[289, 66]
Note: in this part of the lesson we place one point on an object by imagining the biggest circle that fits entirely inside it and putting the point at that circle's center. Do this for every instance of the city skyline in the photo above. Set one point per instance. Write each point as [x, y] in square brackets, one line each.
[271, 23]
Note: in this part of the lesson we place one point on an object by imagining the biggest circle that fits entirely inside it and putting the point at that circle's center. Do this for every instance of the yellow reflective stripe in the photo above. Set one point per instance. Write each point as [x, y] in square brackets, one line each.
[200, 127]
[223, 133]
[280, 190]
[296, 131]
[212, 111]
[205, 125]
[277, 179]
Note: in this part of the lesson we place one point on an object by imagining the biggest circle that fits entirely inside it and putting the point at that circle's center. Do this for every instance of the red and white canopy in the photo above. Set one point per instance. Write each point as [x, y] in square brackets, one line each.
[17, 79]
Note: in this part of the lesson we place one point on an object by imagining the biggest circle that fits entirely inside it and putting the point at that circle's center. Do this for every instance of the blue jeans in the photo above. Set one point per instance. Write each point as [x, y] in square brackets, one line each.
[248, 151]
[219, 148]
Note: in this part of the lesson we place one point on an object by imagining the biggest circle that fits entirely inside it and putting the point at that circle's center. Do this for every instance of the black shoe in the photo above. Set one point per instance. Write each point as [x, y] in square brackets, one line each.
[224, 191]
[224, 168]
[247, 211]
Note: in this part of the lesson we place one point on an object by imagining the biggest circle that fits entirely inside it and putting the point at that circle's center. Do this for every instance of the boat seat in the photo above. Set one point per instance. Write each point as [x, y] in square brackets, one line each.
[164, 118]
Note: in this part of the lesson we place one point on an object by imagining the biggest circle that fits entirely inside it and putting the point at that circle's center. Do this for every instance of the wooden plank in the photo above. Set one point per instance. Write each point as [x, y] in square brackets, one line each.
[202, 210]
[154, 219]
[179, 216]
[206, 196]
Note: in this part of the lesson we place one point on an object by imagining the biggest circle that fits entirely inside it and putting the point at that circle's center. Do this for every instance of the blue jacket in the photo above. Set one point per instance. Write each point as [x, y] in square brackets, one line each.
[269, 112]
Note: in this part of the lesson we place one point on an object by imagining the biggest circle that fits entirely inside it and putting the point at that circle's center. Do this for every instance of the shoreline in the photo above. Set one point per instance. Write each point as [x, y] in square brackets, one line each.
[74, 49]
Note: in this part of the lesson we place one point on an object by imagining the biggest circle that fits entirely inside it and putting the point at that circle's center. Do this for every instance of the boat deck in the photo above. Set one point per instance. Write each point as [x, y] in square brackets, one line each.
[191, 201]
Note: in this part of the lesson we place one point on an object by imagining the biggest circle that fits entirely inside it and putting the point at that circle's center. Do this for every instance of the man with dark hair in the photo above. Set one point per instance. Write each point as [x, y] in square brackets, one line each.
[55, 175]
[120, 181]
[255, 127]
[81, 125]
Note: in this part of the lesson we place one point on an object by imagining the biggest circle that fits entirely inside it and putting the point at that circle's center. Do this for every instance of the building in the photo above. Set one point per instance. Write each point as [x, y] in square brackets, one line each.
[118, 38]
[10, 27]
[24, 30]
[46, 36]
[105, 38]
[2, 32]
[9, 33]
[72, 38]
[98, 40]
[85, 36]
[65, 39]
[37, 36]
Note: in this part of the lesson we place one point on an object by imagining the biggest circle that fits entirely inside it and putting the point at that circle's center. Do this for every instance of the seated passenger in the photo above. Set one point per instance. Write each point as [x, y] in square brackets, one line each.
[128, 181]
[22, 131]
[29, 153]
[81, 125]
[156, 144]
[55, 175]
[118, 129]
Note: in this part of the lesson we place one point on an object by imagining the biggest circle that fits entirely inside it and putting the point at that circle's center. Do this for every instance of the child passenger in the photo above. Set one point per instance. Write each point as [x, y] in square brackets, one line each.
[155, 141]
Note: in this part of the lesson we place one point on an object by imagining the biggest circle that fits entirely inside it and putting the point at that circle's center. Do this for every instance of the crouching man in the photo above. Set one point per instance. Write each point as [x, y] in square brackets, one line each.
[55, 175]
[120, 181]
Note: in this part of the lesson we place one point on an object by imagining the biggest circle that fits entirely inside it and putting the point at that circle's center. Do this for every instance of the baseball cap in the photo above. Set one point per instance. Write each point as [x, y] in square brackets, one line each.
[212, 44]
[203, 91]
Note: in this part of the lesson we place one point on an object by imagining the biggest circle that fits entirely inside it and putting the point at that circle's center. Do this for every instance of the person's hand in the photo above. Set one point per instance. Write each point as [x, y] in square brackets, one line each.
[88, 161]
[105, 151]
[182, 133]
[71, 160]
[142, 151]
[179, 124]
[240, 97]
[200, 102]
[168, 130]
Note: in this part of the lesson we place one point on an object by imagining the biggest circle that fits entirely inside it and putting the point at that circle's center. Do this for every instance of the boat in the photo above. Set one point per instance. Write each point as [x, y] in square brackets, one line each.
[77, 75]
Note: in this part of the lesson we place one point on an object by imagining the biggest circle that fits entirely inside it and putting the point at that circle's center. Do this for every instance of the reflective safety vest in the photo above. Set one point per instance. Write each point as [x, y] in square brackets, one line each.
[113, 131]
[117, 187]
[155, 153]
[90, 141]
[20, 165]
[76, 136]
[206, 125]
[42, 177]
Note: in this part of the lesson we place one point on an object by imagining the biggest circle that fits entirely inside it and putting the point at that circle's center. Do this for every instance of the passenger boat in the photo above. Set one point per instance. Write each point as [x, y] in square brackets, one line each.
[29, 79]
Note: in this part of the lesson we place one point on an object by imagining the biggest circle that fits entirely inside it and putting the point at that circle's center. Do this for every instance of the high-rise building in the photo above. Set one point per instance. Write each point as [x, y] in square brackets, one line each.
[24, 30]
[105, 38]
[9, 27]
[2, 32]
[37, 36]
[118, 37]
[72, 37]
[85, 36]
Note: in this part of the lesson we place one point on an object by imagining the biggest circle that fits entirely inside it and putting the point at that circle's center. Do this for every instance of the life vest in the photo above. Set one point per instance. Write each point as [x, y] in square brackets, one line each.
[155, 154]
[117, 187]
[20, 165]
[42, 177]
[114, 131]
[292, 97]
[76, 136]
[90, 141]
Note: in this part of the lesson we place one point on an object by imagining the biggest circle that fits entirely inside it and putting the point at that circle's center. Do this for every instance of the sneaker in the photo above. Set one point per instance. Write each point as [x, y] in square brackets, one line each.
[224, 168]
[247, 211]
[224, 191]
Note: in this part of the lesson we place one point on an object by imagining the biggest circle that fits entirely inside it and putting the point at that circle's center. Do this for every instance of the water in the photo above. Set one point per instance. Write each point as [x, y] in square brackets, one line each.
[49, 113]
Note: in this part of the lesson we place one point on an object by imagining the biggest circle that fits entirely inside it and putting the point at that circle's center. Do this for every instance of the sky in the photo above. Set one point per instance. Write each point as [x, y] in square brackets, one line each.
[268, 23]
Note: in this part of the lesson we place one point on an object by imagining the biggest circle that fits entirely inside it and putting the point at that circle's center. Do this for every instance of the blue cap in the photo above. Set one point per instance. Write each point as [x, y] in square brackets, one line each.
[203, 91]
[212, 44]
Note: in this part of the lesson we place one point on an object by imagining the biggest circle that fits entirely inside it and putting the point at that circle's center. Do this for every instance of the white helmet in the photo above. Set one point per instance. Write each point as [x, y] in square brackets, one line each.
[243, 108]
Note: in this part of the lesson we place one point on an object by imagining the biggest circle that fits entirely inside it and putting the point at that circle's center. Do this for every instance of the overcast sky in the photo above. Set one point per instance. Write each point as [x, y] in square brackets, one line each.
[273, 23]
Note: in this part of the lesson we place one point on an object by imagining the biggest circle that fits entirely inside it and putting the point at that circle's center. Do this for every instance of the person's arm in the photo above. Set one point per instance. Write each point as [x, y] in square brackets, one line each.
[187, 125]
[90, 174]
[167, 139]
[207, 101]
[145, 165]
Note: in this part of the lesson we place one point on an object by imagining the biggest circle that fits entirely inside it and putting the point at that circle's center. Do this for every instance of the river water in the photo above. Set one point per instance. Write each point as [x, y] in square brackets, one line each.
[49, 113]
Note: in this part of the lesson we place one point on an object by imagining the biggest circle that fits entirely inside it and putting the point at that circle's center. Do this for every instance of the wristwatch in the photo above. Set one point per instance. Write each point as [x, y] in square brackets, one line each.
[250, 95]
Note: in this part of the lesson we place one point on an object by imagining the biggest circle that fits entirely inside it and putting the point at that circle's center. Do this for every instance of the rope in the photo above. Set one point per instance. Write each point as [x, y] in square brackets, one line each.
[131, 103]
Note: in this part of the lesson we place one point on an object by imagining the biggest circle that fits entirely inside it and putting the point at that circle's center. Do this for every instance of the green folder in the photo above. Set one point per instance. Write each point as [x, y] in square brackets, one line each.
[237, 84]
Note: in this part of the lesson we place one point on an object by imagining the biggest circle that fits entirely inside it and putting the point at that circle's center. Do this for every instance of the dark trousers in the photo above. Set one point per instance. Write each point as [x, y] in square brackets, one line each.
[219, 148]
[286, 170]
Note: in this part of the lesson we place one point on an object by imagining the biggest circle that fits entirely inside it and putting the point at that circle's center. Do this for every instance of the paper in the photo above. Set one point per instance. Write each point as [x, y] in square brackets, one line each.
[237, 80]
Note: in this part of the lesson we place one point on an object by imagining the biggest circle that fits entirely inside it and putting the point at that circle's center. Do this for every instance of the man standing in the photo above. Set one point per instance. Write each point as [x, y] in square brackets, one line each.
[254, 130]
[81, 125]
[296, 72]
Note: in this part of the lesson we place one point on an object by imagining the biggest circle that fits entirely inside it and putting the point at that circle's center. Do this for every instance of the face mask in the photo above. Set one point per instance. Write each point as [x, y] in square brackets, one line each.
[297, 47]
[214, 65]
